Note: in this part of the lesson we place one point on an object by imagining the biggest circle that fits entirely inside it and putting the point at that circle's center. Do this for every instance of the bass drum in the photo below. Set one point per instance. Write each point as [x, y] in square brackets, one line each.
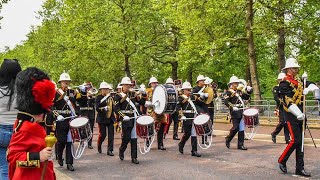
[164, 99]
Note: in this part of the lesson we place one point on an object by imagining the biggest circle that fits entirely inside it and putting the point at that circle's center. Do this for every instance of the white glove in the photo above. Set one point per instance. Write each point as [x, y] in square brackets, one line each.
[311, 87]
[294, 109]
[126, 118]
[301, 117]
[106, 108]
[148, 104]
[249, 88]
[60, 118]
[235, 109]
[82, 88]
[183, 118]
[203, 95]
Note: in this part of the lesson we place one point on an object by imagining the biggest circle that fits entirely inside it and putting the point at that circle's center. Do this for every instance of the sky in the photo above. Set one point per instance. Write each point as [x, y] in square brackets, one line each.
[18, 17]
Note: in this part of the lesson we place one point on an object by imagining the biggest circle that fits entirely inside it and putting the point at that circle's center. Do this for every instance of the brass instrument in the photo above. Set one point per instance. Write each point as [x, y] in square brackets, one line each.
[210, 92]
[109, 105]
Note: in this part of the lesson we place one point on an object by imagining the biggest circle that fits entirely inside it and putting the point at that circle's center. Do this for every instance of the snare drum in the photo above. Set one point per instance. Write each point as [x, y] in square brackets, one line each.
[80, 129]
[251, 117]
[164, 98]
[316, 94]
[145, 127]
[202, 124]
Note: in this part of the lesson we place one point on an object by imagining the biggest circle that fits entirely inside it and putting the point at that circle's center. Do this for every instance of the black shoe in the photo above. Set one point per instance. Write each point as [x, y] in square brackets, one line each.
[90, 147]
[164, 136]
[70, 167]
[121, 155]
[135, 161]
[147, 143]
[99, 149]
[242, 148]
[213, 135]
[283, 168]
[287, 141]
[161, 148]
[302, 173]
[175, 137]
[60, 162]
[109, 153]
[180, 148]
[195, 154]
[273, 138]
[227, 143]
[245, 138]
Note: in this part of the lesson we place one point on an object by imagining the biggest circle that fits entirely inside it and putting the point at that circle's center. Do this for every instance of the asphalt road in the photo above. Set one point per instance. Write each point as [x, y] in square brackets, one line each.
[217, 162]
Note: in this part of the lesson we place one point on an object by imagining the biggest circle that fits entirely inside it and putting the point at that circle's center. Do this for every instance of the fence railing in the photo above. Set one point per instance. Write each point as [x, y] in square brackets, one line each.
[266, 108]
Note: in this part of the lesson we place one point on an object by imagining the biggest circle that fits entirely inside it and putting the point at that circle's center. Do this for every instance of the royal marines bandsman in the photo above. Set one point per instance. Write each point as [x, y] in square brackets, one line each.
[172, 117]
[86, 103]
[105, 117]
[291, 92]
[126, 103]
[160, 119]
[64, 108]
[188, 112]
[234, 100]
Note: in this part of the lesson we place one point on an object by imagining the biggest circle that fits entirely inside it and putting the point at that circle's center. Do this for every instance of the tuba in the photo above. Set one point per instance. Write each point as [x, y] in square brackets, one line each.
[109, 105]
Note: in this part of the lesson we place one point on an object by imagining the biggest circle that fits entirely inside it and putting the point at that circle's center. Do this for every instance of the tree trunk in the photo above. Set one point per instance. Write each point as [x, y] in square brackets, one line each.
[189, 75]
[252, 52]
[174, 72]
[126, 66]
[281, 36]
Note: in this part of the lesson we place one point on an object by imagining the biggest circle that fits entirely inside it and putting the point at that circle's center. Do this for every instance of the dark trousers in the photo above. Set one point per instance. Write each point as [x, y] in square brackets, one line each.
[103, 133]
[174, 117]
[126, 138]
[187, 133]
[160, 134]
[91, 121]
[295, 130]
[234, 130]
[60, 148]
[282, 124]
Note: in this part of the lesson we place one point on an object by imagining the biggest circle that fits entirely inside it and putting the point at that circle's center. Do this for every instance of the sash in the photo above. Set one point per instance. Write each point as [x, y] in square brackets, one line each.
[104, 98]
[136, 114]
[67, 100]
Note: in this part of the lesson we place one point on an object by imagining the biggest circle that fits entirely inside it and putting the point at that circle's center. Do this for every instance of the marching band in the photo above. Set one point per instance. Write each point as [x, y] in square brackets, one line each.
[123, 108]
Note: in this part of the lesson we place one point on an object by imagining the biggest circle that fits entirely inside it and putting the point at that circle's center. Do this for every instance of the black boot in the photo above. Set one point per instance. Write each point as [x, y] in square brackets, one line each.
[182, 143]
[283, 167]
[90, 147]
[175, 137]
[229, 138]
[241, 140]
[135, 161]
[70, 167]
[109, 153]
[194, 147]
[303, 173]
[273, 138]
[195, 154]
[99, 148]
[161, 148]
[227, 142]
[60, 162]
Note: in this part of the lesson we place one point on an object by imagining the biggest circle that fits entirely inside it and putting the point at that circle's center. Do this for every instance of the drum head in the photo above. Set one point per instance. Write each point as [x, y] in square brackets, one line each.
[145, 120]
[159, 98]
[79, 122]
[250, 112]
[201, 119]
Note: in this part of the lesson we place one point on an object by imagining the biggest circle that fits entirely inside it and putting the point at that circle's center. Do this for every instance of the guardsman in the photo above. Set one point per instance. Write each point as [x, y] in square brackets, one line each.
[234, 100]
[161, 120]
[291, 92]
[172, 117]
[64, 108]
[208, 82]
[125, 105]
[28, 153]
[105, 117]
[279, 112]
[188, 112]
[86, 102]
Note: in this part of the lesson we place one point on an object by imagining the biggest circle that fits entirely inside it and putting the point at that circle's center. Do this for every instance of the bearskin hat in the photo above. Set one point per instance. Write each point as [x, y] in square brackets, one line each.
[35, 91]
[8, 71]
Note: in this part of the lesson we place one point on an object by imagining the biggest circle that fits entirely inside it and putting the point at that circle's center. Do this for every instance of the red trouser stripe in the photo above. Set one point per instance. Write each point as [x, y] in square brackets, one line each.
[289, 145]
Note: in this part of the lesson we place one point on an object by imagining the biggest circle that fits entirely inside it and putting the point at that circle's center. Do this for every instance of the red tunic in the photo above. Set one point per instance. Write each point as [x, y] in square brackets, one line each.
[23, 153]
